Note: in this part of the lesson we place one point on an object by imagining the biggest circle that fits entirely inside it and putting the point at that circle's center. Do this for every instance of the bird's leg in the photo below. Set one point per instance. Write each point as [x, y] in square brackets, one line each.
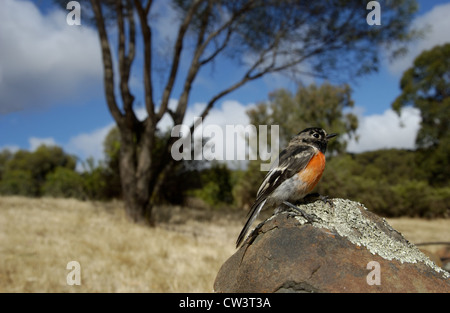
[317, 195]
[310, 218]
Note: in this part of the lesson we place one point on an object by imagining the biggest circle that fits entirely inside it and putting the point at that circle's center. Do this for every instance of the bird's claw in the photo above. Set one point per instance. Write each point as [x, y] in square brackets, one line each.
[317, 195]
[326, 200]
[309, 217]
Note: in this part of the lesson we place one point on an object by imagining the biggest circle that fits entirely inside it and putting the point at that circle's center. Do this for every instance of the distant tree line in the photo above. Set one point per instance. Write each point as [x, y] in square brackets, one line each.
[49, 171]
[391, 182]
[388, 182]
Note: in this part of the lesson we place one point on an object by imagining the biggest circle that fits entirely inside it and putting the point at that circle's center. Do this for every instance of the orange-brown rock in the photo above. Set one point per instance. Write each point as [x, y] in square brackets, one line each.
[348, 249]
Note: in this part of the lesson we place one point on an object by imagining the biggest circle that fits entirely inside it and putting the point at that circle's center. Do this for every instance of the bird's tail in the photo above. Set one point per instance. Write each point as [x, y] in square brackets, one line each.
[253, 213]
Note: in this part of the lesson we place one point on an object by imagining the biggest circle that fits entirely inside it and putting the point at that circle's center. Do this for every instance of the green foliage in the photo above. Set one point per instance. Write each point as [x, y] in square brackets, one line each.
[98, 181]
[388, 182]
[37, 165]
[64, 183]
[435, 163]
[209, 193]
[426, 86]
[49, 171]
[111, 148]
[312, 106]
[216, 187]
[111, 170]
[18, 182]
[247, 184]
[5, 156]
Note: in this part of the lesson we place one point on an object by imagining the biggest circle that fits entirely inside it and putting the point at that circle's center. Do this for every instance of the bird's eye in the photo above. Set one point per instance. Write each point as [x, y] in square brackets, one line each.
[316, 135]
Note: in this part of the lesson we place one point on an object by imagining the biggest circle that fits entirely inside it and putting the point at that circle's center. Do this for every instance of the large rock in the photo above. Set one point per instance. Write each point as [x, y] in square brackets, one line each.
[348, 249]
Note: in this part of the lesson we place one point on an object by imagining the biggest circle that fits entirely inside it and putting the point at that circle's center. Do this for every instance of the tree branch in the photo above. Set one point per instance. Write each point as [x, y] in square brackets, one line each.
[195, 66]
[108, 75]
[176, 58]
[147, 7]
[219, 49]
[249, 75]
[125, 61]
[202, 44]
[147, 37]
[132, 35]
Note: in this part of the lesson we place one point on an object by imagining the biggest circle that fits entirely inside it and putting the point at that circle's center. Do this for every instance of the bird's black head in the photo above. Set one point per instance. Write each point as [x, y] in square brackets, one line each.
[316, 136]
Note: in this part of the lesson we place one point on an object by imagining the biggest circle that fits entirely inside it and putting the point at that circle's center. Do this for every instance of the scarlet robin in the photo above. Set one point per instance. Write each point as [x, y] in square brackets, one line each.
[300, 167]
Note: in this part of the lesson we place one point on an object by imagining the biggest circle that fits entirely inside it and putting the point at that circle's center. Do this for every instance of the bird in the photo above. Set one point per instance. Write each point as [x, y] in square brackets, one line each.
[293, 175]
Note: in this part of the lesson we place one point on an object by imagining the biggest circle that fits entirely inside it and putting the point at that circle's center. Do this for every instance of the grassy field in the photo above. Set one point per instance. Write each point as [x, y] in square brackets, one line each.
[182, 254]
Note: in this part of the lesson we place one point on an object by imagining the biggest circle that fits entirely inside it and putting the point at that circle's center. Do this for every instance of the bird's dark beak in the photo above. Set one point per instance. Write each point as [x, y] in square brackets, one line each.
[328, 137]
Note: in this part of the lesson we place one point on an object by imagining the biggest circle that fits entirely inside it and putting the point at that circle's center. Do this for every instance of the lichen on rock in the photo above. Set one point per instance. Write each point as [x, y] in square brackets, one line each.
[355, 222]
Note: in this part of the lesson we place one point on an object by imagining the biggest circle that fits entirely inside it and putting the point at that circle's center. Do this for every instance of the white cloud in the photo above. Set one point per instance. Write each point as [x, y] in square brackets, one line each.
[229, 113]
[166, 122]
[438, 24]
[89, 144]
[10, 148]
[36, 142]
[387, 130]
[166, 20]
[42, 59]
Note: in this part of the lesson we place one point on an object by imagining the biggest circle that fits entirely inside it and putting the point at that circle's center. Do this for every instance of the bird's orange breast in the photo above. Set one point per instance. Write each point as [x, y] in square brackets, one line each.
[312, 173]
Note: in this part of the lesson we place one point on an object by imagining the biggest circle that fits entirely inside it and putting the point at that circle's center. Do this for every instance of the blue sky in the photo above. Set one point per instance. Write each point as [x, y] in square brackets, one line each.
[51, 88]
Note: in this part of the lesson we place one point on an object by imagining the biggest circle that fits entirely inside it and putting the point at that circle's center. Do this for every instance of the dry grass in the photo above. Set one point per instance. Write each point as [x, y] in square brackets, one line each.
[419, 230]
[40, 236]
[183, 254]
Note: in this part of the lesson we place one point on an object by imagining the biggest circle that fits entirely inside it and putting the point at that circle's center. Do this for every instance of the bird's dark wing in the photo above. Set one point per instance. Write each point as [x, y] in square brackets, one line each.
[290, 161]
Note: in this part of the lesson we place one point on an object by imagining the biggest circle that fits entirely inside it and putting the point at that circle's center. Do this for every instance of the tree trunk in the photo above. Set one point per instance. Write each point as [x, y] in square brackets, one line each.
[141, 172]
[133, 180]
